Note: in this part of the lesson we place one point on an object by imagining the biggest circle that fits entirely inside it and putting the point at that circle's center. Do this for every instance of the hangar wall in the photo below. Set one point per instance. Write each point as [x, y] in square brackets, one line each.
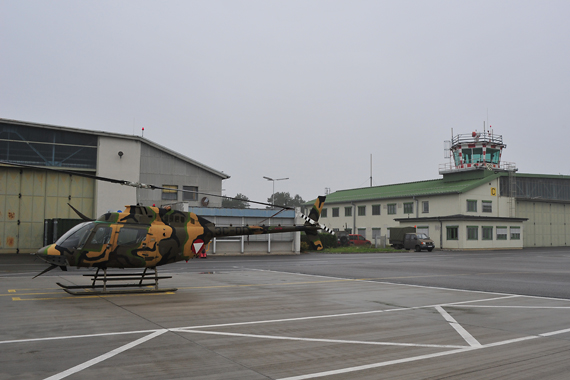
[29, 196]
[548, 223]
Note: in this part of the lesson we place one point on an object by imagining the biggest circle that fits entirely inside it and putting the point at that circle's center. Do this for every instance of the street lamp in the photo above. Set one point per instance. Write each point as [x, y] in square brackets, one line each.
[273, 194]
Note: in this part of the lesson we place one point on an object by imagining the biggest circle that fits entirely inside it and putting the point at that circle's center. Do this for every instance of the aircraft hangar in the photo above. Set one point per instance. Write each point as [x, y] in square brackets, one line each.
[29, 196]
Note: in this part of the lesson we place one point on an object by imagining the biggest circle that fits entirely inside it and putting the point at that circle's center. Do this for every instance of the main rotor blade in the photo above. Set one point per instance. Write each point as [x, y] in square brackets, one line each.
[81, 215]
[133, 184]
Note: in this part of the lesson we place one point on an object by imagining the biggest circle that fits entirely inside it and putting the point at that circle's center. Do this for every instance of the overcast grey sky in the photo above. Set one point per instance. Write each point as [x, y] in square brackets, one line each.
[299, 89]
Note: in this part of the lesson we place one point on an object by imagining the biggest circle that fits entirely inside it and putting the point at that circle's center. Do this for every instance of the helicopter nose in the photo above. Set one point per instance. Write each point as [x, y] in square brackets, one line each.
[51, 255]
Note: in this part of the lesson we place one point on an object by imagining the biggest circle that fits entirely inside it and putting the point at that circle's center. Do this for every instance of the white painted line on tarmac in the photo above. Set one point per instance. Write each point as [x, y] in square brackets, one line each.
[77, 336]
[106, 356]
[464, 333]
[405, 360]
[555, 332]
[377, 365]
[276, 337]
[512, 307]
[358, 313]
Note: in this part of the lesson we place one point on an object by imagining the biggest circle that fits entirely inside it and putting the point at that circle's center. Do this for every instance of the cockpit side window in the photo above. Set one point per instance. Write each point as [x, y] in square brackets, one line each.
[100, 236]
[131, 236]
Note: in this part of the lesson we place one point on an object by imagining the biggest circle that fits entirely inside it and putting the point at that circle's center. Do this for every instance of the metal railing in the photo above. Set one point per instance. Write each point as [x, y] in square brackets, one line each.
[479, 137]
[502, 166]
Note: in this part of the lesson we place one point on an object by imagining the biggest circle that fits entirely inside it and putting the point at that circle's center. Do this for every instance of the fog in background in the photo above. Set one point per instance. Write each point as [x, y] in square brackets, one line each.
[300, 89]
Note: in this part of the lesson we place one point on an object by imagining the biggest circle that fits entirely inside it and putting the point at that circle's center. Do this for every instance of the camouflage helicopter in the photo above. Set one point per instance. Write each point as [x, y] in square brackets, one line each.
[146, 237]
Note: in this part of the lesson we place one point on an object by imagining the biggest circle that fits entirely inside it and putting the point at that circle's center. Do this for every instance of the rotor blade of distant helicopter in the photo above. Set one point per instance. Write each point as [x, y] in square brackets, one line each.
[135, 184]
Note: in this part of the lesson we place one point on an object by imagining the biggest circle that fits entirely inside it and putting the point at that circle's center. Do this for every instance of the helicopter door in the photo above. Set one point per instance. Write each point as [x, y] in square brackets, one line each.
[99, 244]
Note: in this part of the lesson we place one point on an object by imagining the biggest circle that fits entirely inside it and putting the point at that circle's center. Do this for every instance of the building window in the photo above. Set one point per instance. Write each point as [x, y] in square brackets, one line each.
[515, 233]
[375, 209]
[472, 233]
[471, 205]
[408, 208]
[501, 233]
[335, 212]
[361, 210]
[425, 207]
[192, 195]
[362, 231]
[487, 233]
[376, 233]
[324, 213]
[392, 209]
[487, 206]
[170, 193]
[348, 211]
[452, 232]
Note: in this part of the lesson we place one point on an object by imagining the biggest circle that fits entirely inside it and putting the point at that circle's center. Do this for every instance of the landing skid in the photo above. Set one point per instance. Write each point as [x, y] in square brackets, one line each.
[141, 287]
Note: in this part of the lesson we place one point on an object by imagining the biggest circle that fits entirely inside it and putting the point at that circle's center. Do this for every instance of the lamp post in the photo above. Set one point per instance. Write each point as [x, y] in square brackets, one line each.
[273, 194]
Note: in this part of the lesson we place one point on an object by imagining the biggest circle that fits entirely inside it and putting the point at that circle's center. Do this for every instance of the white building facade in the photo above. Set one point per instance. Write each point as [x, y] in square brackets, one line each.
[480, 203]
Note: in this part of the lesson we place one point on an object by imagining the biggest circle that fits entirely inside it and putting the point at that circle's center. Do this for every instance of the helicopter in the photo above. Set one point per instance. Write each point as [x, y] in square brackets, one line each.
[147, 237]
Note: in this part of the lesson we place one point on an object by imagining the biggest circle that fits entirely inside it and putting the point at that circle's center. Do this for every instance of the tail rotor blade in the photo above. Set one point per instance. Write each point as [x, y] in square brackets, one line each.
[321, 226]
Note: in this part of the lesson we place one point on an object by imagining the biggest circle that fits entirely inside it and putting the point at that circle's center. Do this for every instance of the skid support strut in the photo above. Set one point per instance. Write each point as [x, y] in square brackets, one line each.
[140, 286]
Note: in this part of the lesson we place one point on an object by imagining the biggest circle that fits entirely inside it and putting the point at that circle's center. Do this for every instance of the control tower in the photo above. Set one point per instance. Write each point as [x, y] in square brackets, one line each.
[475, 151]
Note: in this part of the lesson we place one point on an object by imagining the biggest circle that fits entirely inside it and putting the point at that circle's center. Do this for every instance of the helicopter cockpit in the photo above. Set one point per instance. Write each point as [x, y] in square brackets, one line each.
[93, 235]
[76, 237]
[88, 233]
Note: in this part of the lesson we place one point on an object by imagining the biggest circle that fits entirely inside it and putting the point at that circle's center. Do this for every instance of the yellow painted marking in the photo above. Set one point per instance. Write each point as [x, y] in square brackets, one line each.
[29, 294]
[94, 296]
[30, 289]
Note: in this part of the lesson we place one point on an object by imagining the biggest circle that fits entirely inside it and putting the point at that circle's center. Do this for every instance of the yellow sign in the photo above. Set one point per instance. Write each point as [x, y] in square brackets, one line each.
[493, 191]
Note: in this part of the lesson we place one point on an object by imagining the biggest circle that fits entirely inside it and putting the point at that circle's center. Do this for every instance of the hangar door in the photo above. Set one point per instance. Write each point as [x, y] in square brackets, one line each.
[29, 196]
[548, 224]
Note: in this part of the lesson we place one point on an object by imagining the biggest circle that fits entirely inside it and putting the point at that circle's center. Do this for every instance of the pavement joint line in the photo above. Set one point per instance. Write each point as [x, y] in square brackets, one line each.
[422, 286]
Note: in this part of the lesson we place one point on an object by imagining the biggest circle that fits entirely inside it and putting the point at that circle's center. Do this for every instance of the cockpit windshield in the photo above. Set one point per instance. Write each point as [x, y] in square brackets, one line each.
[422, 236]
[76, 237]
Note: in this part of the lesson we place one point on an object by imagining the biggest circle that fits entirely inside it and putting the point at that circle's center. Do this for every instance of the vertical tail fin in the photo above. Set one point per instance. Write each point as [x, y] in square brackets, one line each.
[315, 212]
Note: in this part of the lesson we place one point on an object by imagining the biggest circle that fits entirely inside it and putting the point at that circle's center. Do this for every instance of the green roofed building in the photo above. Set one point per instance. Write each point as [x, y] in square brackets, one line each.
[480, 203]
